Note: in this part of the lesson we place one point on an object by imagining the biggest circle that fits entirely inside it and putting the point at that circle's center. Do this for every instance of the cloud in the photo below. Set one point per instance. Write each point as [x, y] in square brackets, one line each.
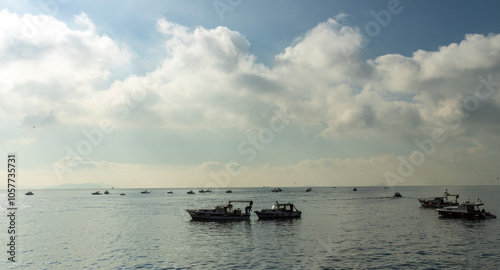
[53, 66]
[21, 142]
[392, 95]
[459, 166]
[209, 80]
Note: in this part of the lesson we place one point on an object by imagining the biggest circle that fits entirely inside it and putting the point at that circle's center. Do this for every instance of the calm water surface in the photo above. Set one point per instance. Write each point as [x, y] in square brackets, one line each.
[339, 229]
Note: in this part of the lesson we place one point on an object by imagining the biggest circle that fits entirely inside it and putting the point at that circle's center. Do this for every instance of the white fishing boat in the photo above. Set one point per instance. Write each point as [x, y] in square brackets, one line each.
[222, 212]
[466, 210]
[279, 210]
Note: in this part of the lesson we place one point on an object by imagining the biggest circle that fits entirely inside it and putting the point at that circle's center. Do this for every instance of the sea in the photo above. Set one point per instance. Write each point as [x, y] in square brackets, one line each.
[339, 229]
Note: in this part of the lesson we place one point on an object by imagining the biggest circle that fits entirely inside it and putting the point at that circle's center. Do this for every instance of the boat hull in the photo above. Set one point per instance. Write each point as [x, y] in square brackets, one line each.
[472, 215]
[199, 215]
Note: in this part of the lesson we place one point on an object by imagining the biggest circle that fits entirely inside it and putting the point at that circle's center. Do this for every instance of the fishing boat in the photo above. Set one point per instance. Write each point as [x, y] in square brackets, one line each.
[439, 202]
[354, 189]
[106, 192]
[29, 193]
[277, 190]
[96, 193]
[397, 195]
[190, 192]
[308, 190]
[170, 192]
[279, 210]
[229, 191]
[222, 212]
[146, 192]
[466, 210]
[122, 194]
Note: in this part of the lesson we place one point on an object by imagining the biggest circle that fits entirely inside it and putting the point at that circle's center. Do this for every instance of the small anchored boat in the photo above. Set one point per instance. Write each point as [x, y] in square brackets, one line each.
[397, 195]
[96, 193]
[279, 210]
[146, 192]
[29, 193]
[106, 192]
[277, 190]
[222, 212]
[170, 192]
[466, 210]
[190, 192]
[229, 191]
[308, 190]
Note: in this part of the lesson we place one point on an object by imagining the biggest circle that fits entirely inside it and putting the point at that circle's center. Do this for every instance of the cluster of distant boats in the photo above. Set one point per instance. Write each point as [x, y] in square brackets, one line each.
[121, 194]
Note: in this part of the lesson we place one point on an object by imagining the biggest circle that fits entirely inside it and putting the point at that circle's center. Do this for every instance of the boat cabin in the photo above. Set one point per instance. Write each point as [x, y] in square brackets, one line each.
[464, 208]
[471, 207]
[284, 207]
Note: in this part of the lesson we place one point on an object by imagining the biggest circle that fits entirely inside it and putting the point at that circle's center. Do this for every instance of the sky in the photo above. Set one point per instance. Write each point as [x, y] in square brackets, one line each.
[234, 93]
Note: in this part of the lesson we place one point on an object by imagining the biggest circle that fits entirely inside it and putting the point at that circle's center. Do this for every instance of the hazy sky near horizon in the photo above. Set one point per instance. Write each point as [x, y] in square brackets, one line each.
[250, 93]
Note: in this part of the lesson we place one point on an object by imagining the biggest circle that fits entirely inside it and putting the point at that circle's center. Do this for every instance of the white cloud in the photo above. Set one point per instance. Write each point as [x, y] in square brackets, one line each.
[20, 142]
[459, 166]
[53, 68]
